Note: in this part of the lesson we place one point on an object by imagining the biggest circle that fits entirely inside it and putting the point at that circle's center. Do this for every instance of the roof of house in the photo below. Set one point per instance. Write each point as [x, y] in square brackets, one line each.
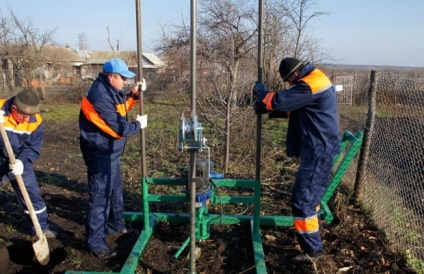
[149, 60]
[50, 53]
[153, 59]
[86, 54]
[81, 57]
[62, 55]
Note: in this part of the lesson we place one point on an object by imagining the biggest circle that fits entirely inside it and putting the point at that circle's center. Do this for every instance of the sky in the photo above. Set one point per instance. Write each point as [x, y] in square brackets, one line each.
[357, 32]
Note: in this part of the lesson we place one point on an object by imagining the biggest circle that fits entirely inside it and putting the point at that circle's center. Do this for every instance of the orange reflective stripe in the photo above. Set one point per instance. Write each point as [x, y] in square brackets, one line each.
[20, 128]
[130, 103]
[317, 81]
[308, 225]
[121, 109]
[23, 127]
[268, 100]
[92, 116]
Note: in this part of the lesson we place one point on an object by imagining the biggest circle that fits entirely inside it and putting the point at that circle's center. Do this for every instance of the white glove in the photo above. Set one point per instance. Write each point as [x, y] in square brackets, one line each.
[142, 119]
[142, 84]
[1, 117]
[17, 168]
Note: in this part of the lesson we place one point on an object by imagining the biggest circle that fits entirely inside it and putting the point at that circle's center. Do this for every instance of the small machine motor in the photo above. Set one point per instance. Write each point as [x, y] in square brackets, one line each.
[201, 177]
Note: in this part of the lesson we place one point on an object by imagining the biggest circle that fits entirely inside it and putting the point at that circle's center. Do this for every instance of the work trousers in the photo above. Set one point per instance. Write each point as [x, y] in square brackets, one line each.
[311, 183]
[105, 205]
[31, 185]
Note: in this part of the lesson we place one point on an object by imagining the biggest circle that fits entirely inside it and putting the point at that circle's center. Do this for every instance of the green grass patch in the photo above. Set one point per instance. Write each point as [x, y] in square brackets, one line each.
[60, 113]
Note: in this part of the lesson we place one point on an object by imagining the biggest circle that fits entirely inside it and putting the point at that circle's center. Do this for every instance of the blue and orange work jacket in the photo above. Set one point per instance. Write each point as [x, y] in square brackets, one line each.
[313, 129]
[26, 138]
[103, 118]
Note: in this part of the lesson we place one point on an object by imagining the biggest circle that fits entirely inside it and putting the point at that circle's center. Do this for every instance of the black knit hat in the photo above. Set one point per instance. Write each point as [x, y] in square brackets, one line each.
[27, 102]
[288, 66]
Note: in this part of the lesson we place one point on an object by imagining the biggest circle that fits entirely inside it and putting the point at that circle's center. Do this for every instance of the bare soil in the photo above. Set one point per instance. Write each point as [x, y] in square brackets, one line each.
[353, 243]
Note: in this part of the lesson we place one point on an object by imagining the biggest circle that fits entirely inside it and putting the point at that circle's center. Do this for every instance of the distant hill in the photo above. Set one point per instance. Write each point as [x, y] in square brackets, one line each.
[411, 73]
[371, 67]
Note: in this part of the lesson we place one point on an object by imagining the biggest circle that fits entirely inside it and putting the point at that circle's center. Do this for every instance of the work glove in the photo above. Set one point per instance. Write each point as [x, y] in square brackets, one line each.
[1, 117]
[260, 91]
[142, 119]
[141, 84]
[17, 168]
[259, 107]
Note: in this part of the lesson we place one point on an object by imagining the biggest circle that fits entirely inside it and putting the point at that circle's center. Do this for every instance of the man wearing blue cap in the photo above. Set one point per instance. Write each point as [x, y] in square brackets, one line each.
[103, 131]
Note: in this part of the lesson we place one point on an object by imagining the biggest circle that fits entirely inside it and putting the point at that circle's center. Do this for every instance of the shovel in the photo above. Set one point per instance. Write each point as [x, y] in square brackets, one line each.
[41, 247]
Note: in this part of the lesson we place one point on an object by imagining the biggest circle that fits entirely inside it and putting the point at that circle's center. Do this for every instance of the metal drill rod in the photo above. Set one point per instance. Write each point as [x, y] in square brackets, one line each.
[259, 115]
[193, 14]
[140, 78]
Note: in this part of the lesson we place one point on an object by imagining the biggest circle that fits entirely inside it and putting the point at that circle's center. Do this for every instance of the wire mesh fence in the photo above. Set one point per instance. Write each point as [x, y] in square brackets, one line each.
[393, 178]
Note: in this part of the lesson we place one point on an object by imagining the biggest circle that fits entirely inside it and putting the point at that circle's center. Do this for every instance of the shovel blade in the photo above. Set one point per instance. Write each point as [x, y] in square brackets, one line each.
[41, 250]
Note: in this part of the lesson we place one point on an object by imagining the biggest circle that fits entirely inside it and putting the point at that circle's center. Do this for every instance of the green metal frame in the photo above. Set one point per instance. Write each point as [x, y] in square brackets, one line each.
[350, 145]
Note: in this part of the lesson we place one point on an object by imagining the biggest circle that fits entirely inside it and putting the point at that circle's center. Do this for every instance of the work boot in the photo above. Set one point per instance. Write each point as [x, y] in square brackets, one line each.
[307, 257]
[105, 254]
[50, 234]
[112, 231]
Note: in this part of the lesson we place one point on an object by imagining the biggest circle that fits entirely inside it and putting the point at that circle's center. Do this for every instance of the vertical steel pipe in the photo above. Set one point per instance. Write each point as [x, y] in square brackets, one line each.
[193, 69]
[260, 69]
[140, 78]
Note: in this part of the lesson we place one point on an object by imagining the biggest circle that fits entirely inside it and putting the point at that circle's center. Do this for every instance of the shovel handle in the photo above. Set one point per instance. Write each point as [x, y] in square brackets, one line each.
[21, 184]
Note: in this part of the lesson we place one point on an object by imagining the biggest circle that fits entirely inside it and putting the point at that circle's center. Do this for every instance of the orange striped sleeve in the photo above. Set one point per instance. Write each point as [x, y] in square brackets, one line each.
[130, 103]
[121, 109]
[268, 100]
[92, 116]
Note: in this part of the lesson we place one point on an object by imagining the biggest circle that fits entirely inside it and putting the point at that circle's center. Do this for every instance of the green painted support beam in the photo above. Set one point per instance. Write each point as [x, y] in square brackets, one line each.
[236, 183]
[86, 272]
[167, 198]
[166, 181]
[233, 200]
[131, 263]
[350, 145]
[326, 214]
[215, 218]
[258, 251]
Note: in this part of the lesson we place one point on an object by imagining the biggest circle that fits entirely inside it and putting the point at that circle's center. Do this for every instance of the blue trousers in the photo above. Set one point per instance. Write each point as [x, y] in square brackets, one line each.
[105, 205]
[31, 185]
[312, 180]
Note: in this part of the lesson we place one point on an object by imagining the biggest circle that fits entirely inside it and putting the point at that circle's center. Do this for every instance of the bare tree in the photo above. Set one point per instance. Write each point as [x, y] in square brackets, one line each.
[227, 67]
[276, 42]
[227, 31]
[22, 44]
[300, 13]
[83, 41]
[112, 48]
[226, 46]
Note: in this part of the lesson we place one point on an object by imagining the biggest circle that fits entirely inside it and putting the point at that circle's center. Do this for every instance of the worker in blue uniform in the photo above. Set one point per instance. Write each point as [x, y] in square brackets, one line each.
[313, 134]
[104, 128]
[25, 131]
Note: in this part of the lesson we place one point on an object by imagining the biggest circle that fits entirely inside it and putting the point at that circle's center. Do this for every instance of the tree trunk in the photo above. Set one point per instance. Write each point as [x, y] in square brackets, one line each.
[42, 89]
[227, 137]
